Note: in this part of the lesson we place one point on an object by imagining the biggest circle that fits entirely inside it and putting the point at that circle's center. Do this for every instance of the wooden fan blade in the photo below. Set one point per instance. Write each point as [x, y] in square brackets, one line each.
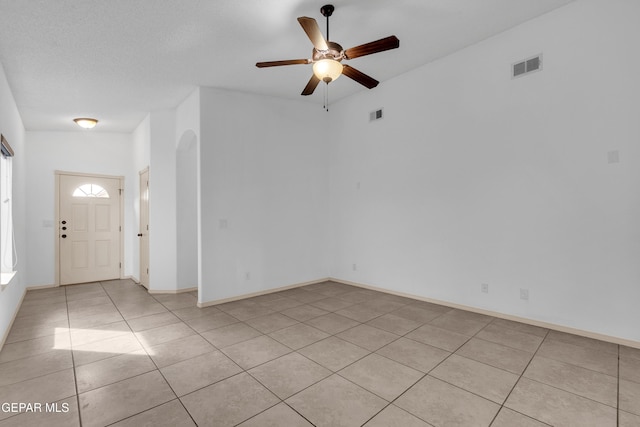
[359, 76]
[279, 63]
[310, 26]
[381, 45]
[311, 86]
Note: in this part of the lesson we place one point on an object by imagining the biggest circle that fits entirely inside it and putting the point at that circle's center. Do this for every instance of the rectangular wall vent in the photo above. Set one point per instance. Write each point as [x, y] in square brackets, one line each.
[375, 115]
[526, 66]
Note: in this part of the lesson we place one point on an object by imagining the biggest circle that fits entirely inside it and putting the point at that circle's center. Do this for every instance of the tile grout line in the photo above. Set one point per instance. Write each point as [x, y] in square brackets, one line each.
[426, 374]
[73, 360]
[154, 362]
[52, 372]
[520, 378]
[330, 370]
[446, 358]
[618, 392]
[150, 358]
[245, 371]
[389, 403]
[370, 352]
[436, 366]
[297, 412]
[579, 366]
[280, 400]
[569, 392]
[315, 362]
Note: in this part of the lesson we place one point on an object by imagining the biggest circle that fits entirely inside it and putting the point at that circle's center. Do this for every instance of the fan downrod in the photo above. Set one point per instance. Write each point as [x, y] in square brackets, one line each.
[327, 10]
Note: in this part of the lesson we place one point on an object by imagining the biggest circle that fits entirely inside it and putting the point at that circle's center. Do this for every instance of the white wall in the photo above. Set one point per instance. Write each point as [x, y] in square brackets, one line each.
[84, 152]
[141, 147]
[162, 201]
[188, 115]
[13, 130]
[187, 210]
[473, 177]
[188, 190]
[264, 173]
[141, 144]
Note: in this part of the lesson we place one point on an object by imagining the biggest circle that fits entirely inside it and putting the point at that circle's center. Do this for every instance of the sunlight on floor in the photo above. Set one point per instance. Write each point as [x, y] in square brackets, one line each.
[96, 340]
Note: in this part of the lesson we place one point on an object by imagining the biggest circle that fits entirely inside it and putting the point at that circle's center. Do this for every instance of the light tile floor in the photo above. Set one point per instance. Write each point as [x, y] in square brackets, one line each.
[326, 354]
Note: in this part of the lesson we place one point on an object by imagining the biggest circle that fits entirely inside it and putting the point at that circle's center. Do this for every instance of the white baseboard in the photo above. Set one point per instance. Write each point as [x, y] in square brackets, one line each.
[172, 291]
[159, 291]
[33, 288]
[257, 294]
[547, 325]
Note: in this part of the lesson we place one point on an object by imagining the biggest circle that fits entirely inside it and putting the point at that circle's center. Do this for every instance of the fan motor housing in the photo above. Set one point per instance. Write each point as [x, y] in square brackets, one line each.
[327, 10]
[334, 52]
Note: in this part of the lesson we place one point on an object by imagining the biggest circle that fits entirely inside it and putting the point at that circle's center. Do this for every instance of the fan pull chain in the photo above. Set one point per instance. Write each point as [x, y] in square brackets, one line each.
[326, 98]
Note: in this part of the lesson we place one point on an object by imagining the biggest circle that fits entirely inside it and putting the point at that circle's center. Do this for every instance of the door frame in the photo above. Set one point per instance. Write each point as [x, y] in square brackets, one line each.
[56, 227]
[146, 285]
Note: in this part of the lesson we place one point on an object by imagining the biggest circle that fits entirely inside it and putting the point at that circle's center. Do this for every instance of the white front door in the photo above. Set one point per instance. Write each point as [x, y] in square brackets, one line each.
[144, 228]
[89, 228]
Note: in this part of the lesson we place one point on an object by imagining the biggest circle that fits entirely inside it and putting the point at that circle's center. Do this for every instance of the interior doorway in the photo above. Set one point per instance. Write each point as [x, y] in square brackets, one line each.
[89, 217]
[143, 232]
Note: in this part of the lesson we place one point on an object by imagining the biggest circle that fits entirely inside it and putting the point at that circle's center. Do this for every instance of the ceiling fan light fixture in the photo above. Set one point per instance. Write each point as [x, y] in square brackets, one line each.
[326, 56]
[327, 70]
[86, 122]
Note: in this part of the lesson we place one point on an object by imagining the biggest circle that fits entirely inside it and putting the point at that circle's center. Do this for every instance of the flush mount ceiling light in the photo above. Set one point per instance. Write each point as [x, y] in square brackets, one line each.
[85, 122]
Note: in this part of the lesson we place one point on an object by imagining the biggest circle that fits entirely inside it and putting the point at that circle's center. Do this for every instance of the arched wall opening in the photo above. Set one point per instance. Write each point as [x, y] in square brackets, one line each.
[187, 210]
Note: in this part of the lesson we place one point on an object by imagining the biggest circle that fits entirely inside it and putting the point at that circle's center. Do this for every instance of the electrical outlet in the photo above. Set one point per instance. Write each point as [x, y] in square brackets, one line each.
[524, 294]
[484, 288]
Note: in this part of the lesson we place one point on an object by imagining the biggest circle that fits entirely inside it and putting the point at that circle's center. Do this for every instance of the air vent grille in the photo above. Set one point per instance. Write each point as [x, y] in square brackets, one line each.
[526, 66]
[375, 115]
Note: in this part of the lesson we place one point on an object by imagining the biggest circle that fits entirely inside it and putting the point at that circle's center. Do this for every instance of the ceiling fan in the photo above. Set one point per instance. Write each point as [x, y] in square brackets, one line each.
[327, 56]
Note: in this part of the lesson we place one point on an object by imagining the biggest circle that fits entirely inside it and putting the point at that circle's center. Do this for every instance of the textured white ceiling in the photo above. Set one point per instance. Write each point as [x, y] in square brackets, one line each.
[116, 60]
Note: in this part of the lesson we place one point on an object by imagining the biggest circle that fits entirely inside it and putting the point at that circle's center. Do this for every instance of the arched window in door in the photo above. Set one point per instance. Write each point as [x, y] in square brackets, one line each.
[91, 190]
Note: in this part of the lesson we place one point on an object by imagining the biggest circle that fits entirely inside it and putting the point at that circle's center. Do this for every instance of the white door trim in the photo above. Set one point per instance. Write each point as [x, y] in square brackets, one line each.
[143, 232]
[56, 228]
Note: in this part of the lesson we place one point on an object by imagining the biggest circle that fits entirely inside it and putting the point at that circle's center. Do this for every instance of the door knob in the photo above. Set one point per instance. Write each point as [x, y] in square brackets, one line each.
[139, 234]
[64, 236]
[64, 222]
